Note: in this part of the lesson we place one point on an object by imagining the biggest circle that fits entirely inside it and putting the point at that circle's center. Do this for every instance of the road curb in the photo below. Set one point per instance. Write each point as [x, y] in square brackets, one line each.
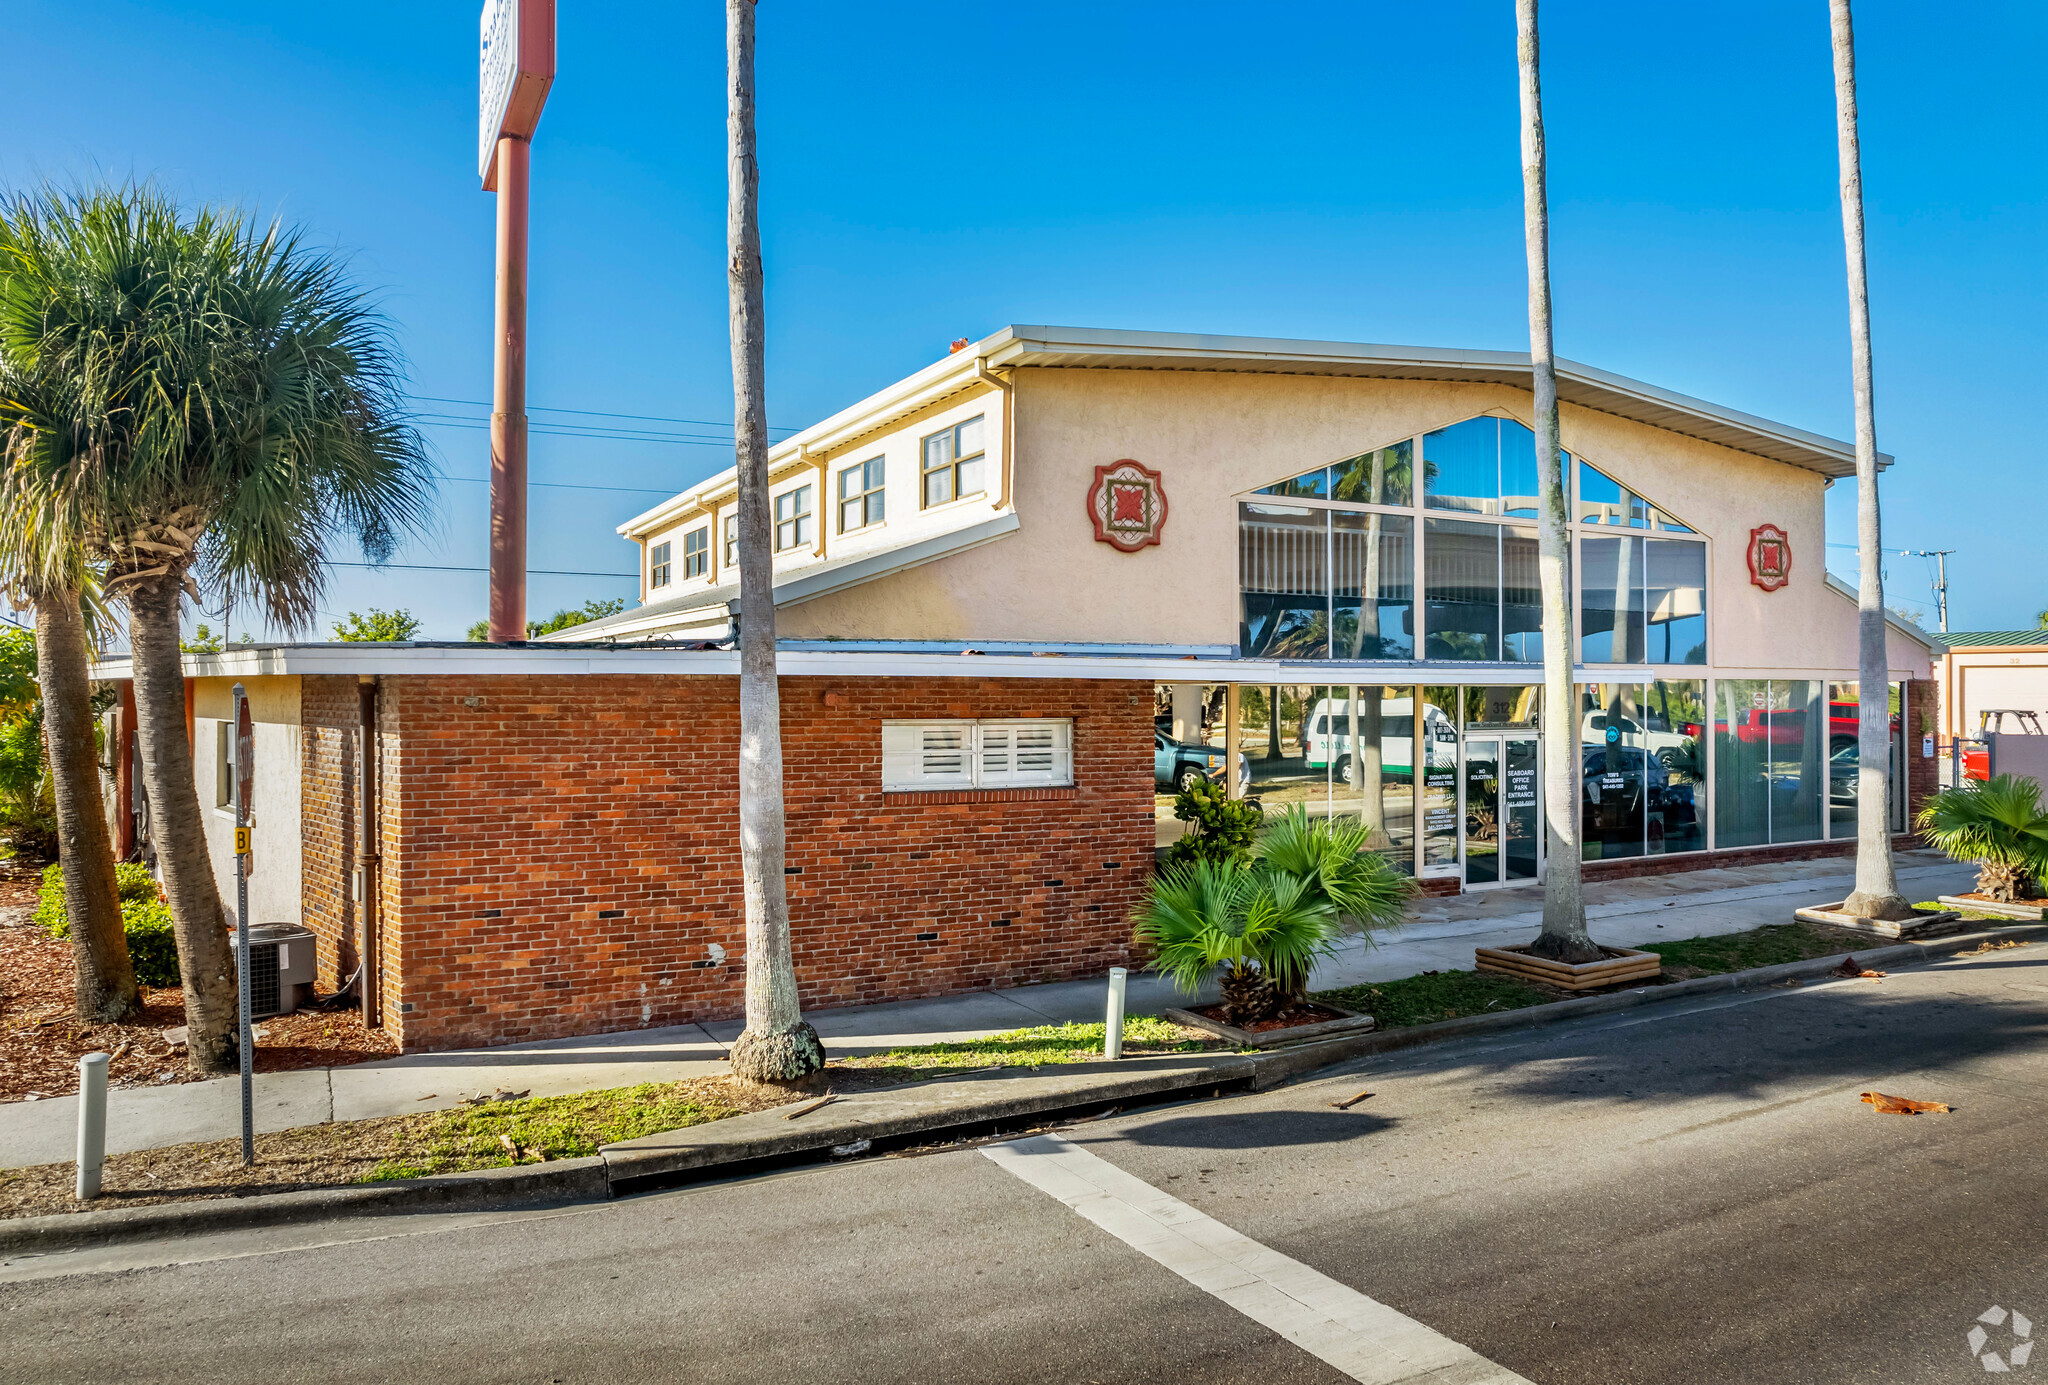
[949, 1107]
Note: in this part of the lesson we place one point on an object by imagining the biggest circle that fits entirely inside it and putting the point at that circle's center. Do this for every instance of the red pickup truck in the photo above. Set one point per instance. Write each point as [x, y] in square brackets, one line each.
[1787, 726]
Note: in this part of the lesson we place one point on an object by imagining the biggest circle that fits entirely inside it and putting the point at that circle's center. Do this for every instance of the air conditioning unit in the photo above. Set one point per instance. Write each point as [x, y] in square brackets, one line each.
[280, 968]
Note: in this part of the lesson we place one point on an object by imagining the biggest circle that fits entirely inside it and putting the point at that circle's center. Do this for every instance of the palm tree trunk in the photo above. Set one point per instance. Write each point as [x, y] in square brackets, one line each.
[1564, 937]
[1877, 887]
[777, 1046]
[92, 901]
[177, 828]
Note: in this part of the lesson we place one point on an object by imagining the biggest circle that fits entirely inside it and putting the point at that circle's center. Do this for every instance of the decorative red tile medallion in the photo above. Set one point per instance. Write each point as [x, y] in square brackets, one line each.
[1770, 557]
[1128, 505]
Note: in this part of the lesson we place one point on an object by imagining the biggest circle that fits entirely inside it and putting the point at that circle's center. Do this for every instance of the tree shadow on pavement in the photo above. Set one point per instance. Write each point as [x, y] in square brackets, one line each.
[1256, 1129]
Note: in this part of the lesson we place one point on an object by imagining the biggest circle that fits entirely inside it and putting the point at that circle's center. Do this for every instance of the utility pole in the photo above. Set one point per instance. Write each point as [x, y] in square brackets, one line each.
[1940, 556]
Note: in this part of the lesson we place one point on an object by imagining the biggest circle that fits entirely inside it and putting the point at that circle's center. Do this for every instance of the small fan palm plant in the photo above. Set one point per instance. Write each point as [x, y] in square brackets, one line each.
[1265, 931]
[1334, 858]
[2000, 825]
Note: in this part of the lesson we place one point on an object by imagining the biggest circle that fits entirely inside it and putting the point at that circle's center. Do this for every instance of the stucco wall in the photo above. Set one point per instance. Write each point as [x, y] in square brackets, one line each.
[1216, 435]
[1971, 682]
[274, 800]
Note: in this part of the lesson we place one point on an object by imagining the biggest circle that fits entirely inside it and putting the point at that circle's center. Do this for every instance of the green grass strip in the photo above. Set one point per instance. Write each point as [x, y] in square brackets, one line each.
[560, 1127]
[1037, 1046]
[1433, 996]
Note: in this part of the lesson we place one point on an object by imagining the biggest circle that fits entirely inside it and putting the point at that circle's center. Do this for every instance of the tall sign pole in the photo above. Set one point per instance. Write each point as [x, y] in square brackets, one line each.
[245, 780]
[516, 66]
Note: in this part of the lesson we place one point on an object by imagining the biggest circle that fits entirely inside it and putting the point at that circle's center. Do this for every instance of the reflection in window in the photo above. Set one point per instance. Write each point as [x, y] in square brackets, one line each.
[1438, 758]
[1372, 767]
[1519, 484]
[1373, 599]
[1615, 778]
[1674, 722]
[1310, 485]
[1283, 563]
[1463, 467]
[1461, 589]
[1382, 477]
[1611, 600]
[1769, 756]
[1675, 601]
[1521, 597]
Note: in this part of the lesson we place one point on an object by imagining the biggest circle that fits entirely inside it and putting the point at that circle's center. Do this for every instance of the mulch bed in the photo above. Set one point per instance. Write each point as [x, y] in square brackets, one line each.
[1294, 1016]
[41, 1040]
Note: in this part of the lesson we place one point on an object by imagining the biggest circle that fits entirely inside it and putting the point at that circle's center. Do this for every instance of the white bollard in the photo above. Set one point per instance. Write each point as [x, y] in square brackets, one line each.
[1113, 1032]
[92, 1122]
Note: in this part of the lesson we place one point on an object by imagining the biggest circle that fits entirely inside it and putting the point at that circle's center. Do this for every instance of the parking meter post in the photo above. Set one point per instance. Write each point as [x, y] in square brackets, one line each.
[92, 1122]
[1113, 1030]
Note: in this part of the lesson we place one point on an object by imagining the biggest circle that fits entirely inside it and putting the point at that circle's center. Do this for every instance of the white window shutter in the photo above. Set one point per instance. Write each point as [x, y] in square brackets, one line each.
[921, 755]
[927, 755]
[1033, 753]
[994, 754]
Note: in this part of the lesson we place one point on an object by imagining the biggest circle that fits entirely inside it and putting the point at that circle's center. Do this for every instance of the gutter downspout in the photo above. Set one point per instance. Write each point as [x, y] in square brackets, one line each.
[369, 835]
[990, 378]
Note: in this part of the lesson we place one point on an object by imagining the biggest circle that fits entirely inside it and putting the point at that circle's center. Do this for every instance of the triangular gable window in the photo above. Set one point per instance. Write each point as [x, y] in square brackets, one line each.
[1384, 476]
[1603, 500]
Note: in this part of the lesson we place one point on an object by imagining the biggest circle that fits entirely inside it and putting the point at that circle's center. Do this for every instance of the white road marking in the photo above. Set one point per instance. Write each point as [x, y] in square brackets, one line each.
[1361, 1337]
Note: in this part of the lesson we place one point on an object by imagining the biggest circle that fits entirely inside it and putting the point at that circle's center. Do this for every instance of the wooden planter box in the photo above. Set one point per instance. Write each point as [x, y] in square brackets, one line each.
[1352, 1023]
[2030, 909]
[1926, 923]
[1616, 966]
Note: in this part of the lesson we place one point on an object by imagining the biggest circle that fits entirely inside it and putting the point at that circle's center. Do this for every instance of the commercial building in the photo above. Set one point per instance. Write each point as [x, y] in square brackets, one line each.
[1021, 593]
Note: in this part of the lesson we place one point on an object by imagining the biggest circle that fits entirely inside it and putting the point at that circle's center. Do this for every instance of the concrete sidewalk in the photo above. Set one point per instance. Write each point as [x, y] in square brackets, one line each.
[1440, 936]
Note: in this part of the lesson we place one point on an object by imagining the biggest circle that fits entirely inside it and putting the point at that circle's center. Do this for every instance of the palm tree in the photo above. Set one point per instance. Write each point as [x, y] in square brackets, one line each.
[1877, 887]
[1564, 937]
[34, 419]
[778, 1046]
[239, 407]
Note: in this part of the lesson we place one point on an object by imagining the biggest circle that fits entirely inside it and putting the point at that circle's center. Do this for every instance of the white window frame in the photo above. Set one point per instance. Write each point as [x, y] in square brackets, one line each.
[224, 766]
[796, 519]
[868, 501]
[697, 560]
[951, 463]
[658, 567]
[732, 540]
[991, 753]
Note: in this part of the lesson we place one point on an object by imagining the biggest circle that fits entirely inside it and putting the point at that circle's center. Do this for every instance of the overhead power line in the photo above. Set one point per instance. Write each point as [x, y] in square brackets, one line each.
[536, 571]
[565, 485]
[587, 413]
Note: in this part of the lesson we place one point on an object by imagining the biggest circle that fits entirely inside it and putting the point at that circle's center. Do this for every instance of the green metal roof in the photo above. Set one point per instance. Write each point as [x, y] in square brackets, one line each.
[1991, 639]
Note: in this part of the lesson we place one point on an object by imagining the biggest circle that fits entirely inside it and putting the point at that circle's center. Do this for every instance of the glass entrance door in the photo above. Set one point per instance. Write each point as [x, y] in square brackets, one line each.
[1503, 812]
[1521, 809]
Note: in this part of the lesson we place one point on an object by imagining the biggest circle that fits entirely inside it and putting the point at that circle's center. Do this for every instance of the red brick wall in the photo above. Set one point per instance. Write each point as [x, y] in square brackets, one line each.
[327, 811]
[1923, 776]
[562, 852]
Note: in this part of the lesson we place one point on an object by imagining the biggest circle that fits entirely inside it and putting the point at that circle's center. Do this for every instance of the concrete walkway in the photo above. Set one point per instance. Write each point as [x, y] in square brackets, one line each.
[1440, 936]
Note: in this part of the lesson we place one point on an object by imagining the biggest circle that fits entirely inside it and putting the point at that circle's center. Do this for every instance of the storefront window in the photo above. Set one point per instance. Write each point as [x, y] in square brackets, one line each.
[1461, 589]
[1438, 758]
[1614, 775]
[1283, 557]
[1674, 724]
[1521, 597]
[1372, 767]
[1187, 743]
[1373, 600]
[1461, 467]
[1769, 780]
[1844, 757]
[1288, 732]
[1382, 477]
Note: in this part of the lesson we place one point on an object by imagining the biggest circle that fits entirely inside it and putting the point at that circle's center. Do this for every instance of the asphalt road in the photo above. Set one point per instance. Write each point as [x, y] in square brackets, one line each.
[1684, 1193]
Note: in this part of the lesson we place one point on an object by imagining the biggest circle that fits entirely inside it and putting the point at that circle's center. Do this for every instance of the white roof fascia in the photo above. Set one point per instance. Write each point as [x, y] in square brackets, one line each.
[935, 382]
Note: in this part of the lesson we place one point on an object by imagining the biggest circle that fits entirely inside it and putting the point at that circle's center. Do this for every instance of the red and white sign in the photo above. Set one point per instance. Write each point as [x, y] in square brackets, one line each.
[515, 68]
[1770, 557]
[1128, 504]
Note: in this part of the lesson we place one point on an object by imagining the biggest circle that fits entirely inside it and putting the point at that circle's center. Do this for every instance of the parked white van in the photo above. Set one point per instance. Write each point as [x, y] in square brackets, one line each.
[1328, 737]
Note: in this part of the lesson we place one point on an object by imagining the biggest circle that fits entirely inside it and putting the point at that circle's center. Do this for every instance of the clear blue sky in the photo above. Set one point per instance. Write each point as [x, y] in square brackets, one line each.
[1336, 170]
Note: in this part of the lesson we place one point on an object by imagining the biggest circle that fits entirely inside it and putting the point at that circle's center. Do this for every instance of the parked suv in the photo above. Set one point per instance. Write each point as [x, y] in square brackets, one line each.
[1328, 737]
[1673, 745]
[1175, 764]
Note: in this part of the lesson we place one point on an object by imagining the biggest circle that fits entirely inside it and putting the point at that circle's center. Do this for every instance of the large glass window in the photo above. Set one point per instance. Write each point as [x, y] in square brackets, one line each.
[1461, 467]
[1438, 757]
[1674, 725]
[1283, 566]
[1373, 596]
[1675, 601]
[1614, 775]
[1187, 743]
[1372, 774]
[1521, 597]
[1519, 495]
[1382, 477]
[1611, 600]
[1461, 589]
[1769, 761]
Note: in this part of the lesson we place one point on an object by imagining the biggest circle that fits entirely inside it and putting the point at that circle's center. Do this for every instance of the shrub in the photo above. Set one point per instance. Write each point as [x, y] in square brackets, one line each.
[1223, 826]
[1264, 928]
[1997, 823]
[145, 918]
[1333, 858]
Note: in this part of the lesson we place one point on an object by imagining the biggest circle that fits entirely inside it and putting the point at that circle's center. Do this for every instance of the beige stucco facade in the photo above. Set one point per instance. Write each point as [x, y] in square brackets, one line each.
[1216, 436]
[275, 855]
